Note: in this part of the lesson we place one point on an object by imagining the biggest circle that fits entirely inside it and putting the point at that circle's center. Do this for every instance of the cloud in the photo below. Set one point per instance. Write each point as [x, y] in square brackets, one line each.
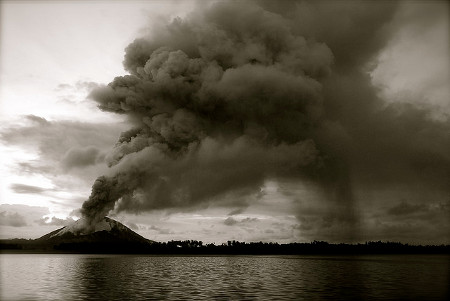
[160, 230]
[81, 157]
[249, 220]
[63, 87]
[404, 208]
[133, 226]
[52, 139]
[236, 211]
[403, 72]
[27, 189]
[230, 221]
[53, 221]
[37, 120]
[23, 221]
[12, 219]
[34, 167]
[69, 154]
[21, 215]
[79, 85]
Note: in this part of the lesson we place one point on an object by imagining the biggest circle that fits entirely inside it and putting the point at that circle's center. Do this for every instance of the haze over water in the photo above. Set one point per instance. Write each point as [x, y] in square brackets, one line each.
[110, 277]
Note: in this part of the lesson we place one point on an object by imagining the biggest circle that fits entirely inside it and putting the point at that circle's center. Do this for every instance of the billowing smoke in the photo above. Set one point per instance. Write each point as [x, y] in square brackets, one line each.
[240, 92]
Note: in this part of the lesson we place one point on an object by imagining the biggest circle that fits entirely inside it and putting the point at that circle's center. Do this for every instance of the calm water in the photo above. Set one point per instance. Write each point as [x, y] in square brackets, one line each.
[110, 277]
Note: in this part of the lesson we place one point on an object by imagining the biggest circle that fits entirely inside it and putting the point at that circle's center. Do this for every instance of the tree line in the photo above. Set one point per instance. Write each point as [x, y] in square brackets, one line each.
[231, 247]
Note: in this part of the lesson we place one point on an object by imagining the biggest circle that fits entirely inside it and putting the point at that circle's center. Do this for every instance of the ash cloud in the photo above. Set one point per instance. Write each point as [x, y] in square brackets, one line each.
[240, 92]
[236, 104]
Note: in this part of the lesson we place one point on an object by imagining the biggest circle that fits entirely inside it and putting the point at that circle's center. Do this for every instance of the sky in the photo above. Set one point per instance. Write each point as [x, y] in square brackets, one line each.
[291, 122]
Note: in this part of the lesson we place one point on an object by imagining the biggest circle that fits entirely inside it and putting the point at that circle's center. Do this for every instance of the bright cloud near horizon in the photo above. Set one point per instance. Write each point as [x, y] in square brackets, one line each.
[55, 141]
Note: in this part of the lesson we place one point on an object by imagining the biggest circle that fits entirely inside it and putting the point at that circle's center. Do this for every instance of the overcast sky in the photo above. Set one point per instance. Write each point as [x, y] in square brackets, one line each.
[295, 122]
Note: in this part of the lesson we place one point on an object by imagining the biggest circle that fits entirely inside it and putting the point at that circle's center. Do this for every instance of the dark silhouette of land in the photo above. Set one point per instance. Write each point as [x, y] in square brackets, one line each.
[194, 247]
[116, 238]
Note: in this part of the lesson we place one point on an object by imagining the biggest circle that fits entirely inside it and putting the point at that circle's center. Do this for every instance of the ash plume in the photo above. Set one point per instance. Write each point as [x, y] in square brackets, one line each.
[238, 92]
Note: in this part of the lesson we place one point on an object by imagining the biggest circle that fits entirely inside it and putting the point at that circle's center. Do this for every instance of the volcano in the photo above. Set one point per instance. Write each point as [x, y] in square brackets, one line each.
[108, 236]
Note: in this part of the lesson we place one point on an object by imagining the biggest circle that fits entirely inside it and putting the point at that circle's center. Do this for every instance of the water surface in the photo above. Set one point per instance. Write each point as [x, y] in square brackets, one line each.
[118, 277]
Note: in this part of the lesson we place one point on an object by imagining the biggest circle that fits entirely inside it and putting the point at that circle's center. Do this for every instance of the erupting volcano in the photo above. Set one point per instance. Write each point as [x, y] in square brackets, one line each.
[106, 235]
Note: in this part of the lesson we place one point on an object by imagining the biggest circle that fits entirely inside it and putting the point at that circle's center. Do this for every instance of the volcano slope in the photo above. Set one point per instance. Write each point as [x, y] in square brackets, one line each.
[108, 236]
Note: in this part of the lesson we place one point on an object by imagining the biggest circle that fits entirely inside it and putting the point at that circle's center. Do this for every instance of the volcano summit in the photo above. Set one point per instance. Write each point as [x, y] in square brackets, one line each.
[107, 235]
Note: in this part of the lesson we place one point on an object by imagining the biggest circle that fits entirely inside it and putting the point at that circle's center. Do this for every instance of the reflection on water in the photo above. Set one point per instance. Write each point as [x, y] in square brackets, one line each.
[109, 277]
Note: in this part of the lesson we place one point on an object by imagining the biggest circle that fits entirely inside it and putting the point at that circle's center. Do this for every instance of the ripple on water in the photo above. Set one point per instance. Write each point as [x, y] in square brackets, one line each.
[110, 277]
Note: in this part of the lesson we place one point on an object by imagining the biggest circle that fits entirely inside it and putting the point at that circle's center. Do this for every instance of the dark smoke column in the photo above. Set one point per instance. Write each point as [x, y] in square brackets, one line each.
[106, 191]
[102, 200]
[218, 104]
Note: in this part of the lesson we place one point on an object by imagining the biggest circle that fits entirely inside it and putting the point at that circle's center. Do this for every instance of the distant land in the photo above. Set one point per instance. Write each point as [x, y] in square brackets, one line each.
[112, 237]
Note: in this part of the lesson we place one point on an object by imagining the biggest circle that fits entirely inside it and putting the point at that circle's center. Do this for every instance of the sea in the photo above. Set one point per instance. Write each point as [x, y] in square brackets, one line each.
[135, 277]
